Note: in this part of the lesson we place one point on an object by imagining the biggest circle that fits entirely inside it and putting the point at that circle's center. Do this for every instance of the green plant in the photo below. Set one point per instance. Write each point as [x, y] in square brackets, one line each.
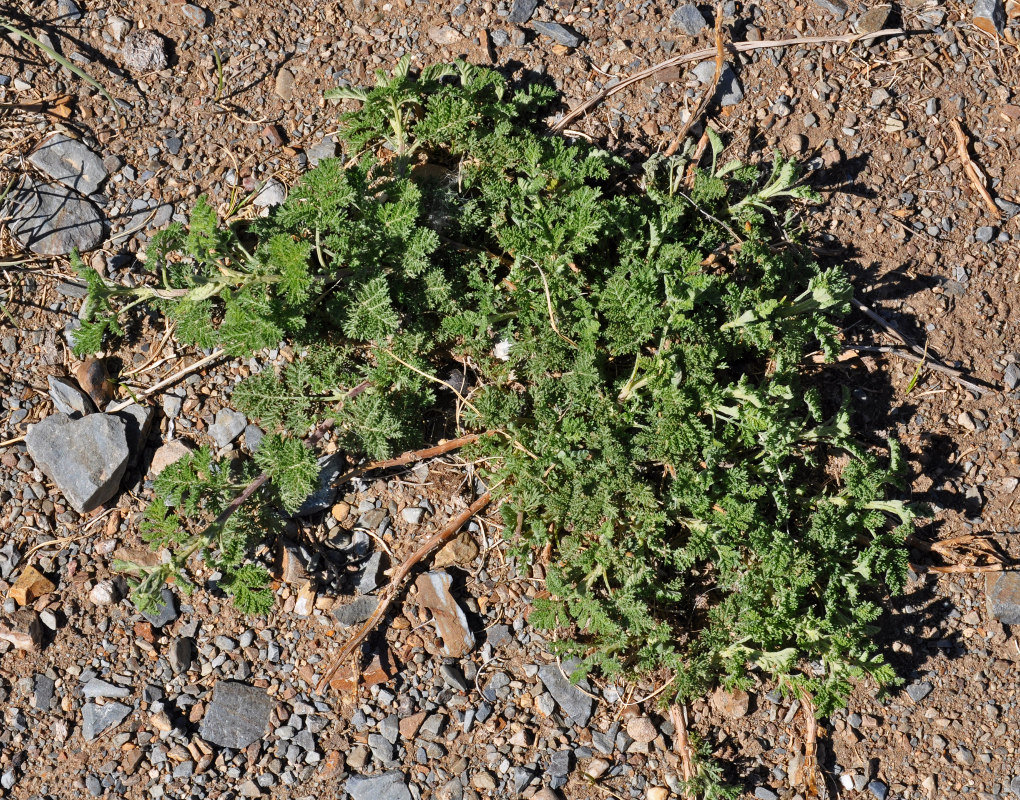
[708, 509]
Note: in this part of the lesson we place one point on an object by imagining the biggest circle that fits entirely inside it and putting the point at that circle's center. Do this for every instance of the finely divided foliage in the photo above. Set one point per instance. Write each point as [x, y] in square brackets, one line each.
[636, 340]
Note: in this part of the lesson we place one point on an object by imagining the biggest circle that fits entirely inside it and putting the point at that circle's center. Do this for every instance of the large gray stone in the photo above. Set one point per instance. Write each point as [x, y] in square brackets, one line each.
[70, 162]
[228, 426]
[237, 715]
[52, 220]
[68, 398]
[521, 11]
[688, 19]
[96, 719]
[558, 33]
[572, 701]
[357, 611]
[388, 786]
[137, 424]
[100, 688]
[85, 458]
[164, 613]
[322, 498]
[1002, 591]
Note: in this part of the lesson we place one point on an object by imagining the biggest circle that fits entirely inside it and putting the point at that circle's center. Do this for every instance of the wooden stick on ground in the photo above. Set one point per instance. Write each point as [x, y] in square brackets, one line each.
[447, 533]
[701, 55]
[809, 773]
[678, 717]
[975, 175]
[411, 456]
[953, 374]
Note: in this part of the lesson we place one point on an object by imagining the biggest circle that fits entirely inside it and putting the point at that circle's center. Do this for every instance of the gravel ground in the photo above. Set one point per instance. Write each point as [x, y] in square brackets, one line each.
[226, 98]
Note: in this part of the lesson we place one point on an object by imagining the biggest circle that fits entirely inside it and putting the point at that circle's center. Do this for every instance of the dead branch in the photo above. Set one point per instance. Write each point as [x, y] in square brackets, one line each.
[929, 362]
[393, 590]
[701, 55]
[972, 170]
[411, 456]
[678, 716]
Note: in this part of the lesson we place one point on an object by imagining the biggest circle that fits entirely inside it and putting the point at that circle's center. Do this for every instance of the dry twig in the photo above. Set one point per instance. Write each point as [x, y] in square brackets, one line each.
[974, 173]
[678, 716]
[447, 533]
[411, 456]
[935, 366]
[701, 55]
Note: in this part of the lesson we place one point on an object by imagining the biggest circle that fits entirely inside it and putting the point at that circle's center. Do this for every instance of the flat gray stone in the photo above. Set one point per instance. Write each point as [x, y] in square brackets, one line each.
[323, 497]
[1002, 592]
[763, 793]
[357, 611]
[874, 19]
[521, 11]
[96, 719]
[572, 701]
[688, 19]
[51, 219]
[321, 150]
[166, 613]
[237, 716]
[85, 458]
[228, 426]
[181, 653]
[919, 690]
[990, 16]
[835, 7]
[70, 162]
[368, 580]
[272, 194]
[144, 51]
[68, 398]
[388, 786]
[1014, 786]
[100, 688]
[253, 436]
[558, 33]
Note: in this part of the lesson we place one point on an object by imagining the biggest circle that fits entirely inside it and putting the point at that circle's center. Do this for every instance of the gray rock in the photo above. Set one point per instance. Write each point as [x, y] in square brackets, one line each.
[96, 719]
[253, 436]
[1014, 786]
[368, 579]
[413, 516]
[237, 716]
[762, 793]
[100, 688]
[1002, 591]
[85, 458]
[571, 700]
[874, 19]
[68, 398]
[144, 51]
[52, 220]
[730, 91]
[68, 10]
[323, 497]
[523, 775]
[919, 690]
[387, 786]
[835, 7]
[137, 425]
[521, 11]
[166, 613]
[688, 19]
[878, 789]
[1007, 208]
[358, 611]
[453, 676]
[228, 426]
[44, 685]
[985, 234]
[558, 33]
[990, 16]
[272, 194]
[181, 653]
[382, 749]
[321, 150]
[70, 162]
[1011, 376]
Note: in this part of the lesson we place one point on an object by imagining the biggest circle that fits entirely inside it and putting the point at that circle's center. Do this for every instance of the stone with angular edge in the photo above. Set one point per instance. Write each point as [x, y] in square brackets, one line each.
[165, 613]
[570, 698]
[451, 622]
[321, 150]
[330, 466]
[521, 11]
[560, 34]
[144, 51]
[30, 586]
[990, 16]
[228, 426]
[356, 612]
[137, 425]
[100, 688]
[96, 719]
[68, 398]
[837, 8]
[237, 716]
[688, 19]
[70, 162]
[85, 458]
[167, 454]
[444, 35]
[22, 629]
[387, 786]
[1002, 592]
[51, 220]
[874, 19]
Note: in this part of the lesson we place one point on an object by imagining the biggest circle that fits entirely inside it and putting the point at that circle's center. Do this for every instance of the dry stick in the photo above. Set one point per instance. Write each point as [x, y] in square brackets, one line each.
[202, 362]
[810, 768]
[411, 456]
[701, 55]
[447, 533]
[969, 167]
[707, 97]
[679, 719]
[935, 366]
